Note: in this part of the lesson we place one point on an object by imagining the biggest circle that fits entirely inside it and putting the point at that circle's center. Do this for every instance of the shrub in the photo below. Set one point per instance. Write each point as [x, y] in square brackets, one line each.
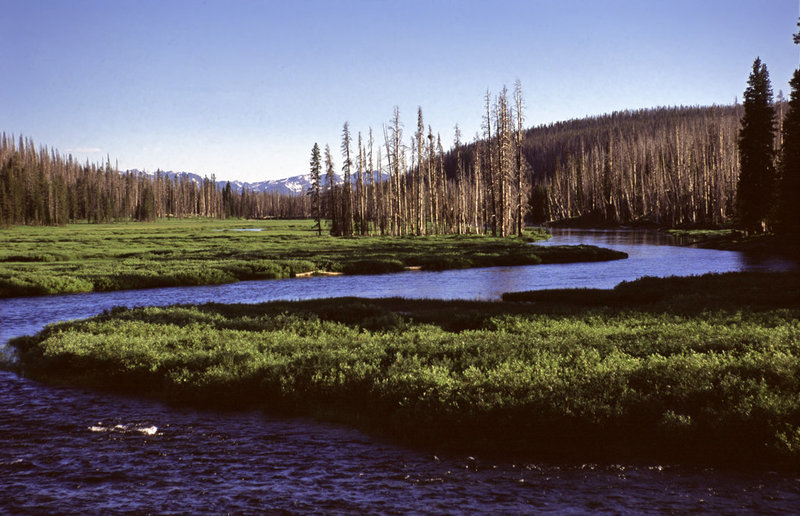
[375, 266]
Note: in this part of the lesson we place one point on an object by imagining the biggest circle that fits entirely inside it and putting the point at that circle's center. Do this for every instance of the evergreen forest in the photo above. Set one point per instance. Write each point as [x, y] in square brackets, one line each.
[40, 186]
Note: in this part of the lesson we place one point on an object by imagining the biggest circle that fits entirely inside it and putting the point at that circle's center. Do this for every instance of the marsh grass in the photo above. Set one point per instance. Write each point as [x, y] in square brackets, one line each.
[700, 370]
[103, 257]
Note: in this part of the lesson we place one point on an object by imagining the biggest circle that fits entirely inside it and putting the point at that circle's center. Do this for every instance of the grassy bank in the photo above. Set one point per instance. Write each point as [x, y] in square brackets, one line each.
[695, 369]
[766, 245]
[103, 257]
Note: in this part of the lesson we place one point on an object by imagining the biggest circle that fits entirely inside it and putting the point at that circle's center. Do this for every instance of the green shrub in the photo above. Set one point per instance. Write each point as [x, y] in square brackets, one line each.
[715, 385]
[376, 266]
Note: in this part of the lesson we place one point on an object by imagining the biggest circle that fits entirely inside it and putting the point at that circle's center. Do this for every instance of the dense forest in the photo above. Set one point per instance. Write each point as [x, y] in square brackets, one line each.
[39, 186]
[421, 190]
[665, 166]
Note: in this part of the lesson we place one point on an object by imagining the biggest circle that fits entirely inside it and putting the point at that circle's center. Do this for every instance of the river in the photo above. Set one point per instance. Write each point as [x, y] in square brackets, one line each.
[78, 451]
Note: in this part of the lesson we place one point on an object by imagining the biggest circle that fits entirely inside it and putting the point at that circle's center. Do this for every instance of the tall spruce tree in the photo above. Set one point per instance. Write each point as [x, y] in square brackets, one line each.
[790, 162]
[796, 37]
[757, 182]
[790, 158]
[316, 172]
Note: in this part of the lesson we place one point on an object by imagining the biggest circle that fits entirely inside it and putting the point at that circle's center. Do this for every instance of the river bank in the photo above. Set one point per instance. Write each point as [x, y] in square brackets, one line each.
[766, 245]
[696, 374]
[110, 257]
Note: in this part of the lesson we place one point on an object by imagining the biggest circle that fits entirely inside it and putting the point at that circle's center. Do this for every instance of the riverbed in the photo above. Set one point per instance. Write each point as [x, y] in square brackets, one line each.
[72, 450]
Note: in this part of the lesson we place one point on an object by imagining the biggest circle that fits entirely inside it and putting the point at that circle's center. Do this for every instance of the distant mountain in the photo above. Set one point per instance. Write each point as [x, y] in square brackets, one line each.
[290, 186]
[169, 174]
[295, 185]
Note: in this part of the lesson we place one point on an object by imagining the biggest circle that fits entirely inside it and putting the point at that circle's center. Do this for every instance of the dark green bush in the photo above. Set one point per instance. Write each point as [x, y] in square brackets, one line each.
[719, 384]
[376, 266]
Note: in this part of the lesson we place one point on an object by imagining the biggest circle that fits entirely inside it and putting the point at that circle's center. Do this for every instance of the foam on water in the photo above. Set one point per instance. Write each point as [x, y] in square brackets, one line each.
[124, 429]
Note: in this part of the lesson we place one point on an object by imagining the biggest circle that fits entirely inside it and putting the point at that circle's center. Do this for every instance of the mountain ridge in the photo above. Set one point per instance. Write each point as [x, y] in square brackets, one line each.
[294, 185]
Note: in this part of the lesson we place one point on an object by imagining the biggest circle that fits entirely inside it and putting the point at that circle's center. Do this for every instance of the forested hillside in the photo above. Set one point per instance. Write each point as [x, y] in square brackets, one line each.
[668, 166]
[40, 186]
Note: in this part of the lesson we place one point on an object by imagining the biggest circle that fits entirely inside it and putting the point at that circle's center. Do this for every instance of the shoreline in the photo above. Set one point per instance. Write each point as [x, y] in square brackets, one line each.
[705, 372]
[85, 258]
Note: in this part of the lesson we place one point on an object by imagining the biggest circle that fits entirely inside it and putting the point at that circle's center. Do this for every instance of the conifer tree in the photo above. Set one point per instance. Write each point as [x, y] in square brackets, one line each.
[796, 37]
[756, 187]
[418, 177]
[790, 158]
[790, 161]
[519, 104]
[347, 187]
[316, 170]
[333, 201]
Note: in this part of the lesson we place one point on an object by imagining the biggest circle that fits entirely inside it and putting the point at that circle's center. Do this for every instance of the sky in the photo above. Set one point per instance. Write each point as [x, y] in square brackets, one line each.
[244, 88]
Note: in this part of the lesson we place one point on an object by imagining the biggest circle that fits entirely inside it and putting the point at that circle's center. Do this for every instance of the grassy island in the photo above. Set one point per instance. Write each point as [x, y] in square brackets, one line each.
[103, 257]
[761, 245]
[703, 369]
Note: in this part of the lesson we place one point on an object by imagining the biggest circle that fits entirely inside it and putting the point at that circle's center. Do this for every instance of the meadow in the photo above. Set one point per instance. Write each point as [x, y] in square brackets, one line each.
[104, 257]
[703, 369]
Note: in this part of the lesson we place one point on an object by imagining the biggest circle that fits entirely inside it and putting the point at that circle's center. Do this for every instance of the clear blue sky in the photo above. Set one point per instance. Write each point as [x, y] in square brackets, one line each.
[243, 88]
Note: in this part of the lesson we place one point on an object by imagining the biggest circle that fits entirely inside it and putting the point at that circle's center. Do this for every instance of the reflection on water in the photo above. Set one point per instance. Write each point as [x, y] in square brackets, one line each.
[77, 451]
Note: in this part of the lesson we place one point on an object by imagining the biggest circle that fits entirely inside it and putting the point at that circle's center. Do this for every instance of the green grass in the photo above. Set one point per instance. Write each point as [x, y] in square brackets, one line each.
[702, 234]
[700, 370]
[103, 257]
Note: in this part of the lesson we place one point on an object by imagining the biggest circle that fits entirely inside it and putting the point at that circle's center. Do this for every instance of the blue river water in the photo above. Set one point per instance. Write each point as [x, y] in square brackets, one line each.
[65, 450]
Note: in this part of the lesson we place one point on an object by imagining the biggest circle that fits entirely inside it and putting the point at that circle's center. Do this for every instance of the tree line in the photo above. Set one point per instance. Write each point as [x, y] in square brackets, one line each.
[665, 166]
[669, 167]
[422, 190]
[40, 186]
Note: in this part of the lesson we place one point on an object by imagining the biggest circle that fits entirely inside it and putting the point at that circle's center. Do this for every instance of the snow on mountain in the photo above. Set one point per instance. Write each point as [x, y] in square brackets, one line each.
[290, 185]
[295, 185]
[169, 174]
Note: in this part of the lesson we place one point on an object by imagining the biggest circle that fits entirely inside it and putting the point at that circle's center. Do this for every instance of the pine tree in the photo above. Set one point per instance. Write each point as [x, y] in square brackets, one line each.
[519, 105]
[347, 187]
[333, 201]
[756, 188]
[790, 158]
[796, 37]
[460, 201]
[489, 172]
[417, 179]
[790, 162]
[316, 170]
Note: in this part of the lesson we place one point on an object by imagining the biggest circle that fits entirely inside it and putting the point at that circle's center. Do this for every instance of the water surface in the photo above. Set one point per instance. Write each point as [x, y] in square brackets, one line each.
[76, 451]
